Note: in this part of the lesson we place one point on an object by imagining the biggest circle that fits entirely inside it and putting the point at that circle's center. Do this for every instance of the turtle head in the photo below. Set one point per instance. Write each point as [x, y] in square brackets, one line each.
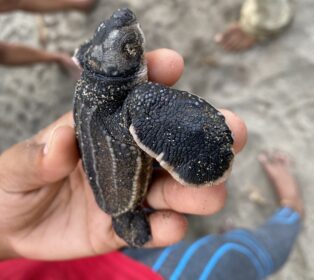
[117, 48]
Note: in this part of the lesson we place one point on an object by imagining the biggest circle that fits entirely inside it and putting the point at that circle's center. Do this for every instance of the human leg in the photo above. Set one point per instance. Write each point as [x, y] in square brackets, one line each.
[8, 5]
[17, 55]
[46, 6]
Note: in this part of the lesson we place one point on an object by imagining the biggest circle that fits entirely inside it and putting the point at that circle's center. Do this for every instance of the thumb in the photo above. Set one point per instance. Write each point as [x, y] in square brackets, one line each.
[32, 164]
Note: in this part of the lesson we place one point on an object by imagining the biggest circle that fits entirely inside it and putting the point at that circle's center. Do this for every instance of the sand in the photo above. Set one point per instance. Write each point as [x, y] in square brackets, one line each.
[270, 87]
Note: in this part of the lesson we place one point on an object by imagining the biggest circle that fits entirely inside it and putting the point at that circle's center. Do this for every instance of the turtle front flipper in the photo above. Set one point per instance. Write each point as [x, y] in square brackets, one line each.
[119, 174]
[123, 173]
[185, 134]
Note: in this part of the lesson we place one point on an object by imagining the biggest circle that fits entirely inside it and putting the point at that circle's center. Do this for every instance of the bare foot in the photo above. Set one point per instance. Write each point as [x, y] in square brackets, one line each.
[235, 39]
[69, 64]
[278, 168]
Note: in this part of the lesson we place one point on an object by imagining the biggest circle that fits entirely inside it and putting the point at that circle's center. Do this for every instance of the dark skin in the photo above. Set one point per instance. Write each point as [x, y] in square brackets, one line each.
[48, 210]
[16, 54]
[20, 55]
[46, 6]
[235, 39]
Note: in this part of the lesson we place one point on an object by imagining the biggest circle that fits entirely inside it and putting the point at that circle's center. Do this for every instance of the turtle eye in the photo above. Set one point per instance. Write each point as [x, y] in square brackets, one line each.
[131, 50]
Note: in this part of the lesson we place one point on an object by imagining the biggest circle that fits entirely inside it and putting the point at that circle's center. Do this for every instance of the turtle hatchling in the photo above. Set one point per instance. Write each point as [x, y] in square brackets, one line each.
[123, 122]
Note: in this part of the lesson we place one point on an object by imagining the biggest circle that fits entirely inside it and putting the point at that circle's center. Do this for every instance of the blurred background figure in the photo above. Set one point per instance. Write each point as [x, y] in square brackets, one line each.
[259, 20]
[17, 54]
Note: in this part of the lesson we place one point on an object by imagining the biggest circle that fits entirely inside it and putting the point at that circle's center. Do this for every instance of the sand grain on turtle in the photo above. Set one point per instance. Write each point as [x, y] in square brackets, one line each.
[123, 122]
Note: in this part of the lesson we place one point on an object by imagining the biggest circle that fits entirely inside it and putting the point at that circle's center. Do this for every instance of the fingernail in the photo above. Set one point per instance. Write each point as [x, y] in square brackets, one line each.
[50, 140]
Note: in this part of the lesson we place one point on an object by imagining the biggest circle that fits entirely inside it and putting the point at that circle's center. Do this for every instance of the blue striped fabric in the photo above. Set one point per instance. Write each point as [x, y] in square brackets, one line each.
[188, 255]
[163, 257]
[222, 251]
[244, 237]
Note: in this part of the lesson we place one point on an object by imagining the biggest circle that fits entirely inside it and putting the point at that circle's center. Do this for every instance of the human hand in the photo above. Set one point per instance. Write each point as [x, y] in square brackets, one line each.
[48, 210]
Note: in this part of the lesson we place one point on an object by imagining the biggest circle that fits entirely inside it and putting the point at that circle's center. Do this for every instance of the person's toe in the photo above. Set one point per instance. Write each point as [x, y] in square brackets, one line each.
[282, 157]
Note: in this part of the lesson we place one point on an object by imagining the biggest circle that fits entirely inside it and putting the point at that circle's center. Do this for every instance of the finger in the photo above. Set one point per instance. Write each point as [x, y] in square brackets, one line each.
[66, 120]
[30, 165]
[238, 129]
[167, 228]
[164, 66]
[167, 193]
[60, 154]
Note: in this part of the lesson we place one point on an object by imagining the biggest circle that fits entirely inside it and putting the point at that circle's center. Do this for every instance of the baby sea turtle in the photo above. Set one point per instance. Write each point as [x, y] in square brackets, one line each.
[124, 122]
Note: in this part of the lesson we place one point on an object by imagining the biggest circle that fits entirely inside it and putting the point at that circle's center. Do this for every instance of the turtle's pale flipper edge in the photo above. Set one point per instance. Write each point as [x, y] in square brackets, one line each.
[185, 134]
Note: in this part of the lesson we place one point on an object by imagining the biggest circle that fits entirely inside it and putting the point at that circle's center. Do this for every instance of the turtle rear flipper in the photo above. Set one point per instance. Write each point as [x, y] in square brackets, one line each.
[185, 134]
[133, 227]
